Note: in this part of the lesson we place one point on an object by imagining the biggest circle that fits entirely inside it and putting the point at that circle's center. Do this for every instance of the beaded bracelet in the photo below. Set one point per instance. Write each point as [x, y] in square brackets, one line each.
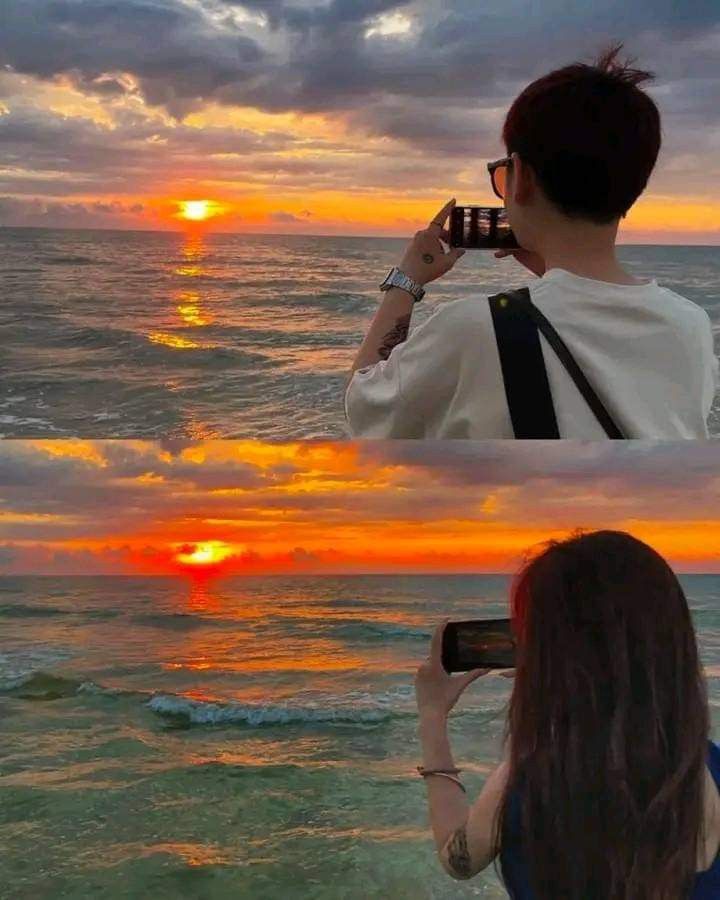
[443, 773]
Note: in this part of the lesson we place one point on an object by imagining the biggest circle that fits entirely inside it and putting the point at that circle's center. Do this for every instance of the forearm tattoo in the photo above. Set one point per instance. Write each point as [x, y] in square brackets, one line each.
[458, 856]
[395, 336]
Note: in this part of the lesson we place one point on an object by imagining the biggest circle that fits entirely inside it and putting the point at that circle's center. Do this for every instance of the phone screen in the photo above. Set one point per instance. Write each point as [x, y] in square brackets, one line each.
[478, 644]
[481, 228]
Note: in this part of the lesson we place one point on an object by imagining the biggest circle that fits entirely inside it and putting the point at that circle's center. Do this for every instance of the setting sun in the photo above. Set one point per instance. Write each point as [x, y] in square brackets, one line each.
[208, 553]
[196, 210]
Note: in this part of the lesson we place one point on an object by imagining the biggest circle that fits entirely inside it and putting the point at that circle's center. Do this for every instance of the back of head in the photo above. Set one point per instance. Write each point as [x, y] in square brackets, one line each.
[590, 134]
[608, 722]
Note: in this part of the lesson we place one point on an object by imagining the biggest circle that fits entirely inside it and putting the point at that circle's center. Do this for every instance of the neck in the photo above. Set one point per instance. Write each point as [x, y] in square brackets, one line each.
[584, 249]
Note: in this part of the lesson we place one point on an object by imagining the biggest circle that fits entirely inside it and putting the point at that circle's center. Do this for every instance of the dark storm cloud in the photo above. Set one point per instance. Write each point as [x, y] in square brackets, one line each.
[178, 53]
[317, 57]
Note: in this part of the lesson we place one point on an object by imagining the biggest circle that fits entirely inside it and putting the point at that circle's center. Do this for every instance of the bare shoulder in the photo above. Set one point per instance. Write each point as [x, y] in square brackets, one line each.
[710, 839]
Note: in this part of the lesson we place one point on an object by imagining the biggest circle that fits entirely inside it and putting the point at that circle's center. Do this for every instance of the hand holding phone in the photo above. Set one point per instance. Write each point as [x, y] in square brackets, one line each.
[436, 691]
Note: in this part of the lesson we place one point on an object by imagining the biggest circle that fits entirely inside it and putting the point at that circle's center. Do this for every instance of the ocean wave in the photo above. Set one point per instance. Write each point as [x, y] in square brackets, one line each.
[337, 302]
[158, 347]
[29, 611]
[183, 621]
[380, 631]
[40, 686]
[204, 712]
[73, 260]
[17, 667]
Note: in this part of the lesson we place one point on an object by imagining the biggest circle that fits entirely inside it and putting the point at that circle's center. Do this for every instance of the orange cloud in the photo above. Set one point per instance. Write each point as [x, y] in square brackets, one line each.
[251, 507]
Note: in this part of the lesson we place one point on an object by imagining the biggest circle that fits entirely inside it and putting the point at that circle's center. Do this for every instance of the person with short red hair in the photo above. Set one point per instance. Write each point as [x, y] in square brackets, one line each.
[617, 356]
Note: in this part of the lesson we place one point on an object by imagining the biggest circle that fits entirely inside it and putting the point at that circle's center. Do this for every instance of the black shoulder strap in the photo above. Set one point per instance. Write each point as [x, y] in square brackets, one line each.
[523, 370]
[521, 298]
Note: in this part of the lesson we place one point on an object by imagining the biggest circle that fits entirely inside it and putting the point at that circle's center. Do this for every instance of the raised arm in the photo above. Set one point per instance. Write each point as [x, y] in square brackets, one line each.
[464, 835]
[424, 261]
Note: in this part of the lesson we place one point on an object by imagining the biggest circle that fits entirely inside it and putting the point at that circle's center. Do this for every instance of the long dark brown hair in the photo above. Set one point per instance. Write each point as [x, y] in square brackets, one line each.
[608, 723]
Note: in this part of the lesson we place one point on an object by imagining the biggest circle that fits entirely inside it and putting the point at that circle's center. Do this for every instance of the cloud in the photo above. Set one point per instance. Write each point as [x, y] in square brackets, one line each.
[281, 216]
[38, 213]
[409, 95]
[175, 53]
[310, 504]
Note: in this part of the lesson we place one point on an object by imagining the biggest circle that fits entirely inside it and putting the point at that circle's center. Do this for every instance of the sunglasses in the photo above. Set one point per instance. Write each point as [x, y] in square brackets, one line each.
[498, 175]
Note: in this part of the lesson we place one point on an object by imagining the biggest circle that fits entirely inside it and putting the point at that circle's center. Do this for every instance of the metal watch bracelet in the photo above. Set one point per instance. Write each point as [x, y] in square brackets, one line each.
[397, 278]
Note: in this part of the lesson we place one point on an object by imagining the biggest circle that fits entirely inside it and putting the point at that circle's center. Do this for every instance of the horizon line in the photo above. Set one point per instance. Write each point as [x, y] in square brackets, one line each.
[183, 231]
[193, 576]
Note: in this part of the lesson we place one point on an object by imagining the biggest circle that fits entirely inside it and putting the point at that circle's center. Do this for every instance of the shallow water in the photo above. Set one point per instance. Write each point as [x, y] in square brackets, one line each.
[150, 334]
[249, 738]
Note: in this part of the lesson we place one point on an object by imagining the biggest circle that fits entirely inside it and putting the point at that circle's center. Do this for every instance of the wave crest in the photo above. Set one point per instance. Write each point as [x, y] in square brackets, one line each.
[204, 712]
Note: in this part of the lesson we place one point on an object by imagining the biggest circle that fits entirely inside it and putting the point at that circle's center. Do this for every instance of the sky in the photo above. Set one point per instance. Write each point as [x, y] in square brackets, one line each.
[323, 116]
[229, 507]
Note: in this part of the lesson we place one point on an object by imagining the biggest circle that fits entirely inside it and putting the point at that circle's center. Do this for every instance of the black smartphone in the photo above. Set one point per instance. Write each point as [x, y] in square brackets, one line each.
[481, 228]
[478, 644]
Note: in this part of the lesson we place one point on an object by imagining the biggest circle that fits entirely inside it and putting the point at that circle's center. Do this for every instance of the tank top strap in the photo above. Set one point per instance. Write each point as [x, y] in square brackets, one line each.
[714, 762]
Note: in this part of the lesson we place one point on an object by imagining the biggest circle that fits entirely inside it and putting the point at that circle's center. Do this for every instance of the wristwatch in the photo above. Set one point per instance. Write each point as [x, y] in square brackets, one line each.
[397, 278]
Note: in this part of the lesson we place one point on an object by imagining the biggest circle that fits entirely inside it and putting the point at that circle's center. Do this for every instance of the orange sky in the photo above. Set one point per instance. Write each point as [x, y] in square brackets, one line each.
[249, 507]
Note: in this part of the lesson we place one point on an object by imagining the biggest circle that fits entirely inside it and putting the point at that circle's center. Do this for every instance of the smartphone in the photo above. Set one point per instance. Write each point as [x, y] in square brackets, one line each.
[478, 644]
[481, 228]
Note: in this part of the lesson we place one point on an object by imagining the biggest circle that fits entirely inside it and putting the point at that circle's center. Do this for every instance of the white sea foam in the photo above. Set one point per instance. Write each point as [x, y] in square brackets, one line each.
[201, 712]
[18, 666]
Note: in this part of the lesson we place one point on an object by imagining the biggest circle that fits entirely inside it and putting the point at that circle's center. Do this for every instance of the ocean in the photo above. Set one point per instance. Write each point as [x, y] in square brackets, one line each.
[247, 738]
[172, 335]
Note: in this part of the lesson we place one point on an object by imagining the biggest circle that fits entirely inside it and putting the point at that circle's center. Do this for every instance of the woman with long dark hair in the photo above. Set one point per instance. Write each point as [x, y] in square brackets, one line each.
[608, 789]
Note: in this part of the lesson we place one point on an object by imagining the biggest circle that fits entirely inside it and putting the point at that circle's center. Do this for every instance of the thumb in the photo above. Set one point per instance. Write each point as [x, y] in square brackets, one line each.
[452, 256]
[469, 677]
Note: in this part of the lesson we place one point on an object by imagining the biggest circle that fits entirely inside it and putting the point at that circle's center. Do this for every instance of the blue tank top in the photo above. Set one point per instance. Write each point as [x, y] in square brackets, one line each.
[706, 887]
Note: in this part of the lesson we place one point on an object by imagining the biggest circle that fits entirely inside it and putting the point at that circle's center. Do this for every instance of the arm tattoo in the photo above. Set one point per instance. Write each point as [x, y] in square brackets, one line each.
[458, 856]
[395, 336]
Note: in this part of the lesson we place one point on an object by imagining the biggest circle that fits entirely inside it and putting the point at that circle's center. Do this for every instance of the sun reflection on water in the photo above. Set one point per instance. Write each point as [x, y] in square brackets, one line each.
[189, 307]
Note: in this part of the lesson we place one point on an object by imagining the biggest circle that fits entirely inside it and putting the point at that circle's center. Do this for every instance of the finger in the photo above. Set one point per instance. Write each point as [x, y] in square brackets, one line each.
[436, 645]
[499, 254]
[507, 673]
[452, 256]
[438, 221]
[469, 677]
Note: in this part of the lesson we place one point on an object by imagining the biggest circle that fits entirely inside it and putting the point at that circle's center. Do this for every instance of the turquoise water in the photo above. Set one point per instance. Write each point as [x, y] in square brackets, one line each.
[250, 738]
[150, 334]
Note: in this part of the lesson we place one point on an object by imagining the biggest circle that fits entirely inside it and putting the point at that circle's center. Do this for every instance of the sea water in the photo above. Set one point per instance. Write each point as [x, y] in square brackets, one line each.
[247, 738]
[152, 334]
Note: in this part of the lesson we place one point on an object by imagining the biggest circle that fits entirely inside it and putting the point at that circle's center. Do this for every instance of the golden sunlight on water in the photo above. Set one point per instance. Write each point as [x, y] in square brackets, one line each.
[189, 307]
[188, 304]
[176, 341]
[194, 251]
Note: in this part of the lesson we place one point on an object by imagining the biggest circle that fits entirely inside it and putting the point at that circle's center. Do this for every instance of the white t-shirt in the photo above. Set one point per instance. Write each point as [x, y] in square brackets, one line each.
[647, 351]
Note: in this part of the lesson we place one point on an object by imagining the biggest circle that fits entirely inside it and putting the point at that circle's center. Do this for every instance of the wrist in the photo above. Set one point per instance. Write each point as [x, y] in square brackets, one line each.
[412, 272]
[398, 277]
[400, 294]
[432, 718]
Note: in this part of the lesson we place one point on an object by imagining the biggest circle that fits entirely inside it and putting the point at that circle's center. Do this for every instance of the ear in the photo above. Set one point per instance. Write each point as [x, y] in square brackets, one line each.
[524, 185]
